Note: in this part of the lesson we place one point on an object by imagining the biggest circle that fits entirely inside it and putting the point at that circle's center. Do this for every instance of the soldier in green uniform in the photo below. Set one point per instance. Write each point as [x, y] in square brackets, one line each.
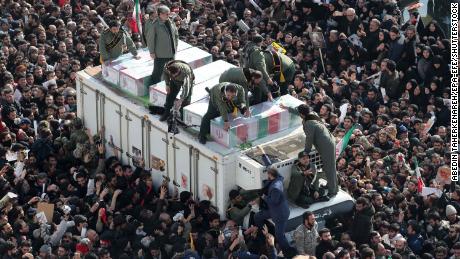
[317, 134]
[281, 67]
[112, 42]
[270, 63]
[224, 98]
[250, 79]
[238, 208]
[78, 135]
[304, 183]
[162, 38]
[178, 75]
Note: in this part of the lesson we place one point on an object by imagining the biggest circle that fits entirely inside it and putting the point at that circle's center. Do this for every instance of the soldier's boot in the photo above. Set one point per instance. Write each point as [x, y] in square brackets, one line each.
[165, 116]
[202, 139]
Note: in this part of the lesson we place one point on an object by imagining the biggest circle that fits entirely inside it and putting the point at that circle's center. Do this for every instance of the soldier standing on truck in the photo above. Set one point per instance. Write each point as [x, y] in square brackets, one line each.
[317, 134]
[178, 75]
[250, 79]
[224, 98]
[162, 38]
[112, 42]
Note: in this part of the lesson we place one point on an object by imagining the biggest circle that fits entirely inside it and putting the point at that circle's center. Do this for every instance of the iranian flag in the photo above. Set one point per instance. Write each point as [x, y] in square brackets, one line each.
[420, 183]
[344, 142]
[136, 24]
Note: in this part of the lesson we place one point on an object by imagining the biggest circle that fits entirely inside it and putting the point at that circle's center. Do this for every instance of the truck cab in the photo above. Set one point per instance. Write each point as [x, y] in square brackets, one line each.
[282, 152]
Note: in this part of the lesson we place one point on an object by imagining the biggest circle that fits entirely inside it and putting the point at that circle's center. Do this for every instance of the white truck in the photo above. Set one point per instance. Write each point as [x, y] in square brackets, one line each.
[208, 171]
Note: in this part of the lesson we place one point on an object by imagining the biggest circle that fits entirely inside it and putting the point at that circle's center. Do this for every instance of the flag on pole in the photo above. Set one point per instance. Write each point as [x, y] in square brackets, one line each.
[340, 147]
[420, 183]
[137, 28]
[192, 245]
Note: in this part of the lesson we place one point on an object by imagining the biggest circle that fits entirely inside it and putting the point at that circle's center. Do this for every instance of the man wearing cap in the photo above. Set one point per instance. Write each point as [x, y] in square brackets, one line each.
[304, 184]
[224, 98]
[317, 134]
[112, 42]
[251, 80]
[162, 38]
[178, 76]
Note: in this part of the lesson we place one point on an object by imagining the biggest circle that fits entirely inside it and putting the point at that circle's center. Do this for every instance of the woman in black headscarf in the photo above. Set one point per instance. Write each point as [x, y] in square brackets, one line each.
[433, 29]
[425, 64]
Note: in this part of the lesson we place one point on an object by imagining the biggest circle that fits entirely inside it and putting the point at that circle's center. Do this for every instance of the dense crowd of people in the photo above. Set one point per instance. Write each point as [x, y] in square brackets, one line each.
[392, 73]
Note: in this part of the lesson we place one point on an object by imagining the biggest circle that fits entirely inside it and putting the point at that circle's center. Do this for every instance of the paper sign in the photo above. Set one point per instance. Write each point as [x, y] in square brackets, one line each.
[207, 192]
[184, 181]
[343, 112]
[156, 163]
[443, 175]
[137, 156]
[430, 190]
[46, 208]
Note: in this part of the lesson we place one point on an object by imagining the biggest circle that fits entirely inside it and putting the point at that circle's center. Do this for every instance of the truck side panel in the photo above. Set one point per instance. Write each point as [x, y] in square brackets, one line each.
[89, 111]
[183, 164]
[207, 174]
[157, 150]
[136, 135]
[112, 115]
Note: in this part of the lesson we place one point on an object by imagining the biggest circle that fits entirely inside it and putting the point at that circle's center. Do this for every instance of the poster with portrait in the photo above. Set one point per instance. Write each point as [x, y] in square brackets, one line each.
[157, 163]
[443, 175]
[136, 156]
[317, 40]
[184, 181]
[207, 192]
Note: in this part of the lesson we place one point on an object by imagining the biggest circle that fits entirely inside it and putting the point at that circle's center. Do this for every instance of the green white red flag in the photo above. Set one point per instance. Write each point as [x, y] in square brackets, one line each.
[137, 18]
[343, 143]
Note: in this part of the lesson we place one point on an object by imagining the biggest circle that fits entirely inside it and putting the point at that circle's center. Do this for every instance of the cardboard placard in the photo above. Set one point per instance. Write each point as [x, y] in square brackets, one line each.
[46, 208]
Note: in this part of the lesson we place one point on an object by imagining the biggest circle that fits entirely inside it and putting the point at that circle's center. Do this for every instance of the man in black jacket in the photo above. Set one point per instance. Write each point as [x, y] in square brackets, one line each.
[349, 23]
[361, 227]
[326, 244]
[408, 56]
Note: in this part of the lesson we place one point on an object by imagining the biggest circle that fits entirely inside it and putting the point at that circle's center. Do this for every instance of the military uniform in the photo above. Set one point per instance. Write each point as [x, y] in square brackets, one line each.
[219, 106]
[282, 67]
[162, 39]
[111, 45]
[302, 187]
[78, 134]
[317, 134]
[184, 80]
[275, 64]
[242, 77]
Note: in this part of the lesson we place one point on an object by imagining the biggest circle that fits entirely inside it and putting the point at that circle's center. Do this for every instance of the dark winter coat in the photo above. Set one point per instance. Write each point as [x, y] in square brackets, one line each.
[361, 227]
[276, 200]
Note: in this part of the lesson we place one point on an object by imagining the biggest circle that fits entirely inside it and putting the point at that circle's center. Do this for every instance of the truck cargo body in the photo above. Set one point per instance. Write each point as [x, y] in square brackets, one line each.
[208, 171]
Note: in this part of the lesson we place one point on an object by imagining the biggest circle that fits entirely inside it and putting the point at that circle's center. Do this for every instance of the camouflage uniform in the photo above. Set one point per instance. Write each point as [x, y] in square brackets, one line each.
[119, 40]
[219, 106]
